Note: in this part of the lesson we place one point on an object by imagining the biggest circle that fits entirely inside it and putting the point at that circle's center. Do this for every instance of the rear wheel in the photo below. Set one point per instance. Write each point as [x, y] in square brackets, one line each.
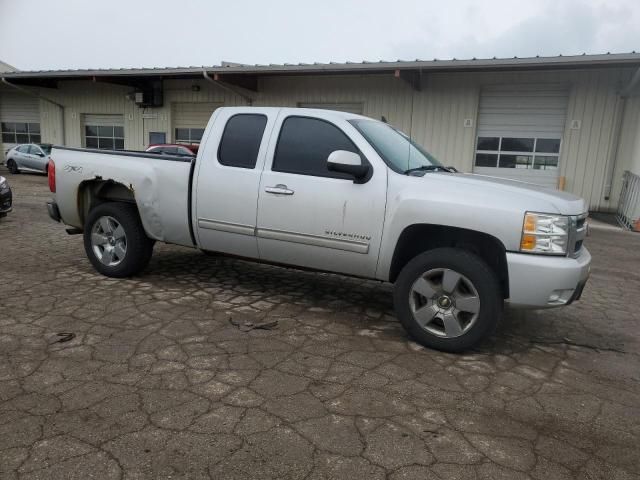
[12, 166]
[448, 299]
[115, 240]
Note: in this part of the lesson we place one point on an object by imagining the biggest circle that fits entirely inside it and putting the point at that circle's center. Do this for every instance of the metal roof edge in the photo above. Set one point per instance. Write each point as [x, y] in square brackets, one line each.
[604, 60]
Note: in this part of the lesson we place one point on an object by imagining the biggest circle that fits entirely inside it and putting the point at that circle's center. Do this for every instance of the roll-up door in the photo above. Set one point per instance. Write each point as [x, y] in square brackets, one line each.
[190, 119]
[356, 108]
[19, 120]
[103, 131]
[520, 129]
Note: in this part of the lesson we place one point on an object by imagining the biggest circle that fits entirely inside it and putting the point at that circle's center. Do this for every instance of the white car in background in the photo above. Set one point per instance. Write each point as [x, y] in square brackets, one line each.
[28, 157]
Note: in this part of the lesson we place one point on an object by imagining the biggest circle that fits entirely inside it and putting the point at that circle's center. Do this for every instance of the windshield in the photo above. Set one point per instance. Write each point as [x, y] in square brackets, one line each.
[395, 148]
[46, 148]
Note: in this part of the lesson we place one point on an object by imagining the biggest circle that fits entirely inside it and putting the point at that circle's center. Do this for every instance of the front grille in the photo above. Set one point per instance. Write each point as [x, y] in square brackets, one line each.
[577, 233]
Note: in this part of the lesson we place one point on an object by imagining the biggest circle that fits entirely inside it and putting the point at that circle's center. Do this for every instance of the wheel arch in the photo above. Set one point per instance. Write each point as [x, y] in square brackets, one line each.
[92, 193]
[418, 238]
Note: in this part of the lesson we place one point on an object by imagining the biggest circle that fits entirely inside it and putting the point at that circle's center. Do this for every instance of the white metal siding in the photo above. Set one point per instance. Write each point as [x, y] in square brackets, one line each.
[523, 111]
[104, 120]
[356, 108]
[15, 107]
[192, 114]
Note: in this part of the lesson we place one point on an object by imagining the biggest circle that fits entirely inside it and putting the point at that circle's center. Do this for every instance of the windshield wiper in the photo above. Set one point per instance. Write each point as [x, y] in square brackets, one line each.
[427, 168]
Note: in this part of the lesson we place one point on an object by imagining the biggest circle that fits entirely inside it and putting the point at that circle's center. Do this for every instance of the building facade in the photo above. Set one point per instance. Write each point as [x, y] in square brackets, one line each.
[565, 122]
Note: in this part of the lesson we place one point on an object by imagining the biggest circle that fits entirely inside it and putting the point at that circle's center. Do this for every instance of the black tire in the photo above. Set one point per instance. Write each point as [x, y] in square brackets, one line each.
[139, 247]
[476, 271]
[12, 166]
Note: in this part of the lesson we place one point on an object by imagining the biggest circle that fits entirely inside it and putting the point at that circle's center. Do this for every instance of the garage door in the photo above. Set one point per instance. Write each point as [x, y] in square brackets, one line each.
[19, 120]
[340, 107]
[520, 130]
[190, 120]
[103, 131]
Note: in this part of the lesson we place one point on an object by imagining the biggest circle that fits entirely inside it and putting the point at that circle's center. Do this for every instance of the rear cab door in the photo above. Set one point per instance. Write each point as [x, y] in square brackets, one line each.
[227, 178]
[309, 216]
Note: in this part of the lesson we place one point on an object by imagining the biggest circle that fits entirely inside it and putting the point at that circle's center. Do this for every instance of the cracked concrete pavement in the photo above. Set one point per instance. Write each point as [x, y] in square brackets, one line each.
[158, 383]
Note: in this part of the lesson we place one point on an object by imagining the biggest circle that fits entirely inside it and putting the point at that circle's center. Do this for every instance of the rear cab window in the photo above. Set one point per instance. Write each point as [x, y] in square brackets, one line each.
[241, 139]
[305, 143]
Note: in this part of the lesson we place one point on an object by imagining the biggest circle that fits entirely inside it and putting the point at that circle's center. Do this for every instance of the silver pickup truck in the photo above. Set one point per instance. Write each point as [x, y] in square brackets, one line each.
[341, 193]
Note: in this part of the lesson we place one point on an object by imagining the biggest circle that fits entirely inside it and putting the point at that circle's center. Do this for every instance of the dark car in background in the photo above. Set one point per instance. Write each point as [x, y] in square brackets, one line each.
[6, 197]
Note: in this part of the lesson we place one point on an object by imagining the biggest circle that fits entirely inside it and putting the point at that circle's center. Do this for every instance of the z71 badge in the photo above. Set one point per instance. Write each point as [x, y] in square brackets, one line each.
[72, 168]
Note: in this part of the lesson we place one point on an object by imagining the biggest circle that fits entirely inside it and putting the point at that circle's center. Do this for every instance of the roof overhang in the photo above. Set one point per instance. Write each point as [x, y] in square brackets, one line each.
[242, 73]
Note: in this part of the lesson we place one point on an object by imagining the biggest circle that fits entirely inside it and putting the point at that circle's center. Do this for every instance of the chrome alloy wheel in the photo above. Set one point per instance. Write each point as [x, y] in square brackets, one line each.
[444, 302]
[108, 241]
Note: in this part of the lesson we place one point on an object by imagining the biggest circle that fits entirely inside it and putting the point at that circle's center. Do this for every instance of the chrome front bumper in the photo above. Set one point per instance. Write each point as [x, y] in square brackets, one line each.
[538, 281]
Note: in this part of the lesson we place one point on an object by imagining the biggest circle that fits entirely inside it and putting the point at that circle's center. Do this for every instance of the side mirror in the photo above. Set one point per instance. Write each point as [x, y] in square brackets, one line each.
[349, 163]
[40, 154]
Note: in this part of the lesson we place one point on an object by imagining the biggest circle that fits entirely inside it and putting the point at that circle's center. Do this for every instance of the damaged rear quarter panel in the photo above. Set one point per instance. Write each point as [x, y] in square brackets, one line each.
[160, 189]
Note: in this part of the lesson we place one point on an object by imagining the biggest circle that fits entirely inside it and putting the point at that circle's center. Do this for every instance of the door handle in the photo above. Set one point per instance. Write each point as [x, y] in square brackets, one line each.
[279, 189]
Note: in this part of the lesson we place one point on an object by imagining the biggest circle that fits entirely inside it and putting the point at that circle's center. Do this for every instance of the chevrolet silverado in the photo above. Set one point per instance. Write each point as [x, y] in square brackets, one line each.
[336, 192]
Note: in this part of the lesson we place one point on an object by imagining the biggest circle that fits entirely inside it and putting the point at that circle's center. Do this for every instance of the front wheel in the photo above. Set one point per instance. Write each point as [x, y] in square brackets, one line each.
[448, 299]
[12, 166]
[115, 241]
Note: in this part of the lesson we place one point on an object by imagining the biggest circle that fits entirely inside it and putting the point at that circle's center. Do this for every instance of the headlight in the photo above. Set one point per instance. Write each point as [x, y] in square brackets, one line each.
[545, 233]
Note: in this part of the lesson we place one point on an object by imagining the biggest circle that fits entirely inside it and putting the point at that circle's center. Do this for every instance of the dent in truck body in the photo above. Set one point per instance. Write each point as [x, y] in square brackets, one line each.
[161, 197]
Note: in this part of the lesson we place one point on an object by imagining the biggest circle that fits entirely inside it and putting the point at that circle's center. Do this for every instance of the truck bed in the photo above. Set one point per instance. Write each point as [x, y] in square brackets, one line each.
[160, 184]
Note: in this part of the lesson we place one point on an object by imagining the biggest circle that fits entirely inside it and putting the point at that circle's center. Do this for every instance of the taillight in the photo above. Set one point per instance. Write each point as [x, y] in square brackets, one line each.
[51, 172]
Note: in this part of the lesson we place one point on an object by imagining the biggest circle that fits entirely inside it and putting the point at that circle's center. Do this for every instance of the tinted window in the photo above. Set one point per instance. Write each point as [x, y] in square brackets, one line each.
[305, 144]
[157, 137]
[241, 140]
[182, 134]
[105, 143]
[196, 134]
[548, 145]
[486, 160]
[516, 161]
[23, 148]
[105, 131]
[517, 144]
[488, 143]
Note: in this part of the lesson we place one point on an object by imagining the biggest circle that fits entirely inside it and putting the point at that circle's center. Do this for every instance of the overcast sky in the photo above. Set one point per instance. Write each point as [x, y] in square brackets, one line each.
[56, 34]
